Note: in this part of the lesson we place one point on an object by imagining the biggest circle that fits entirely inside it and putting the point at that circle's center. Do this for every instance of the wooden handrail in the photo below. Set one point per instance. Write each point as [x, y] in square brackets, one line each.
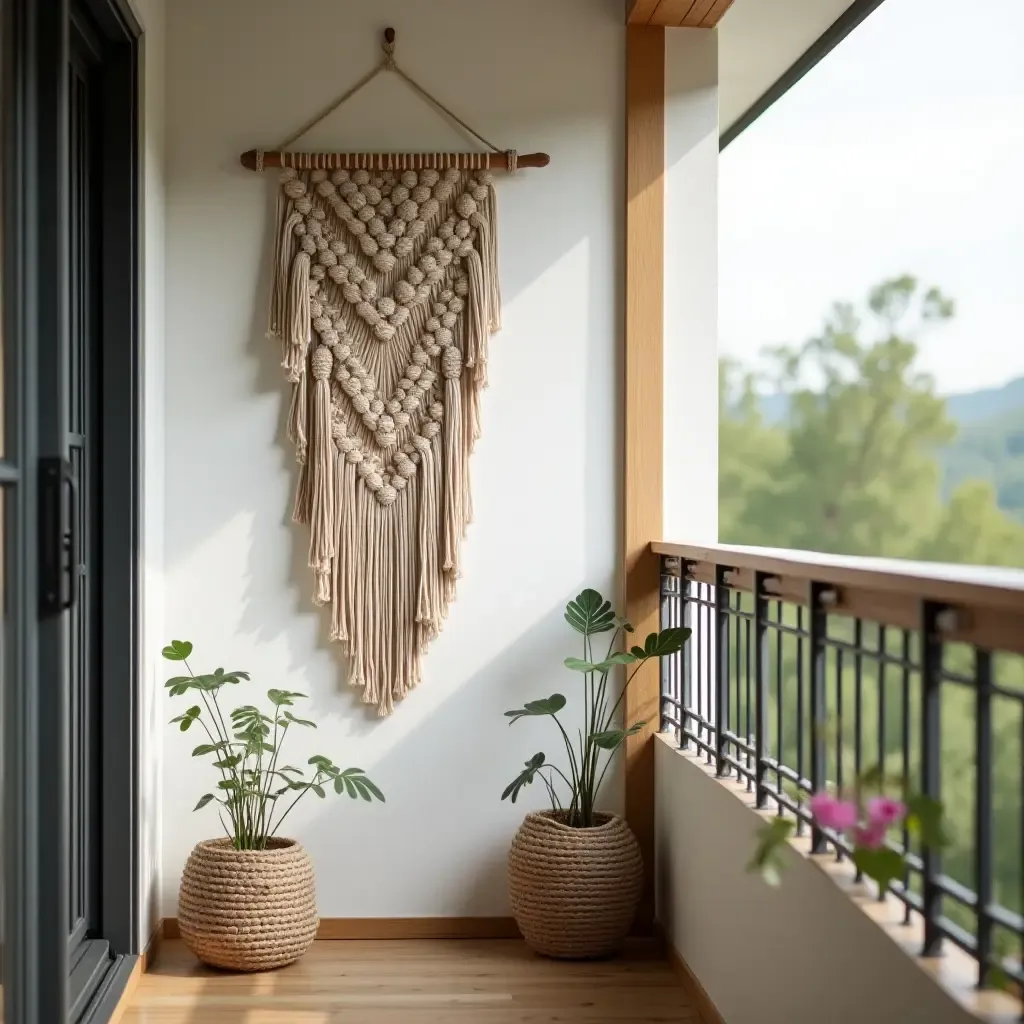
[987, 602]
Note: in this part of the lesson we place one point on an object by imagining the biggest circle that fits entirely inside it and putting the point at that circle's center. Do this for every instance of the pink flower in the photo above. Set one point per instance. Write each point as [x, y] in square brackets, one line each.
[885, 812]
[830, 812]
[870, 836]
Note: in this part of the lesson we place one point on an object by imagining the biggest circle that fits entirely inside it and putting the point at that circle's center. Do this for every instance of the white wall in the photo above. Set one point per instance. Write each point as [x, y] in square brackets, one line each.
[531, 74]
[151, 16]
[803, 952]
[691, 287]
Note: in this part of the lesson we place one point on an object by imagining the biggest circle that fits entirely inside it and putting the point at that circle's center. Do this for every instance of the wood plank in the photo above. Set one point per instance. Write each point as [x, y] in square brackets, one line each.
[417, 982]
[400, 928]
[671, 13]
[698, 13]
[714, 16]
[676, 13]
[638, 12]
[643, 459]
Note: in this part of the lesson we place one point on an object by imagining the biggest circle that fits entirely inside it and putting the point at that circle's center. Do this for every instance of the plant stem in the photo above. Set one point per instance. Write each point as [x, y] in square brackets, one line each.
[265, 800]
[222, 737]
[315, 782]
[572, 764]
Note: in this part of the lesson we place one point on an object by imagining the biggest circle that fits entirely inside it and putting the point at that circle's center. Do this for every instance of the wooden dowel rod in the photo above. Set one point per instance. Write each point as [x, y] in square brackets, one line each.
[390, 161]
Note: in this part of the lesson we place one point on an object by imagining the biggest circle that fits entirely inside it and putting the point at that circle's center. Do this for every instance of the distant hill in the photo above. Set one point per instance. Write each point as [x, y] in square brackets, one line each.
[989, 444]
[986, 404]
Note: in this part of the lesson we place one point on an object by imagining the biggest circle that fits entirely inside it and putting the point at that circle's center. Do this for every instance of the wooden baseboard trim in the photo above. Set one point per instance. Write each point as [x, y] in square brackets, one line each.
[150, 953]
[694, 989]
[144, 963]
[399, 928]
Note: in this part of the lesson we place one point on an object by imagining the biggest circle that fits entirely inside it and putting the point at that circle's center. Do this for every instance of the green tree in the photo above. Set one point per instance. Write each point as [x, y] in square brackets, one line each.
[850, 466]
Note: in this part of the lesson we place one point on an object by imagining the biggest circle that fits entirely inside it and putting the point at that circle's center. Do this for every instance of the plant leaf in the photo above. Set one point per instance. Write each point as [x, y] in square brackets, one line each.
[299, 721]
[614, 738]
[524, 778]
[178, 650]
[883, 865]
[668, 641]
[548, 706]
[925, 820]
[766, 860]
[203, 801]
[282, 698]
[619, 658]
[579, 665]
[209, 748]
[590, 613]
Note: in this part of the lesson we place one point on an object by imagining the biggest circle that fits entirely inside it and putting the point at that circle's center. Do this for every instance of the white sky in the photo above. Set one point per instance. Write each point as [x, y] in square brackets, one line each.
[902, 151]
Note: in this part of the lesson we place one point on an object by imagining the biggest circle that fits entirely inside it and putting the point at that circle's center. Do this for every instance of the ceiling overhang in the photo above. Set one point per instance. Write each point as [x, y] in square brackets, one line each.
[676, 13]
[765, 46]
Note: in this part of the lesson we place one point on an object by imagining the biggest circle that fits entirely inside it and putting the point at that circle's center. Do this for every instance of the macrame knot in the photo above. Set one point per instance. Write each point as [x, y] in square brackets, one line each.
[451, 362]
[389, 55]
[322, 362]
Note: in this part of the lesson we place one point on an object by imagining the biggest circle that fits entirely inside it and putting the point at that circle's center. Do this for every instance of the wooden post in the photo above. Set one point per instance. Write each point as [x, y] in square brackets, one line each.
[642, 471]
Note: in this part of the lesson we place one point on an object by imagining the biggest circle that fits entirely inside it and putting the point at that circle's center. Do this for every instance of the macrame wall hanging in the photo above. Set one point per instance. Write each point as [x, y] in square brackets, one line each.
[384, 294]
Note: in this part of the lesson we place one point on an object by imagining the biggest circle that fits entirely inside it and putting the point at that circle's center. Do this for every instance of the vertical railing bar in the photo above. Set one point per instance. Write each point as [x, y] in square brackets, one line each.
[721, 712]
[735, 671]
[858, 709]
[778, 703]
[760, 686]
[905, 725]
[883, 668]
[710, 678]
[676, 660]
[801, 721]
[664, 668]
[931, 768]
[983, 849]
[702, 675]
[751, 776]
[840, 737]
[686, 621]
[819, 721]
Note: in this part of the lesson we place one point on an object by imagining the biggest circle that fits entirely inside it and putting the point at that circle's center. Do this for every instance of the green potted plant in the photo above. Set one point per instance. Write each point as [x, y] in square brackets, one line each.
[247, 901]
[575, 873]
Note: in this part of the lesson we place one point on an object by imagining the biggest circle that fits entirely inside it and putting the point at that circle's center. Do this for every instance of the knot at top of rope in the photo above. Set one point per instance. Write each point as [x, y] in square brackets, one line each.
[388, 46]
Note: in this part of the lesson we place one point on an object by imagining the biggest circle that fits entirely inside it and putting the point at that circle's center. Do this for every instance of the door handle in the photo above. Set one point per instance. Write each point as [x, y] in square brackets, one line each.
[59, 541]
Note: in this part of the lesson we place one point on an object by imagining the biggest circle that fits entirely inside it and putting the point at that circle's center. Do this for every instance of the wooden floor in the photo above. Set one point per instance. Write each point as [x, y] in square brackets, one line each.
[490, 981]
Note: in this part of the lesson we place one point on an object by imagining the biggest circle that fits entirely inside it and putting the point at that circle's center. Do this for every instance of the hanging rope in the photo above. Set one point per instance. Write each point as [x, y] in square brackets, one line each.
[388, 63]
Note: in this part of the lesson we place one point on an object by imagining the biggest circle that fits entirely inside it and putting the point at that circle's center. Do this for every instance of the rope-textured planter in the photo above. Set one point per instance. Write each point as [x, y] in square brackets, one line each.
[248, 910]
[574, 891]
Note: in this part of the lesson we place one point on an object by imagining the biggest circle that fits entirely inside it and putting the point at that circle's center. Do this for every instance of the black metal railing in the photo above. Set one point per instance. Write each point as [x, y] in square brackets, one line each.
[804, 672]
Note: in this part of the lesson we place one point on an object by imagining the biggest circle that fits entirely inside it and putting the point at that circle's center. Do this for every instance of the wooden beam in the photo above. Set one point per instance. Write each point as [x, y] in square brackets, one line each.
[642, 471]
[676, 13]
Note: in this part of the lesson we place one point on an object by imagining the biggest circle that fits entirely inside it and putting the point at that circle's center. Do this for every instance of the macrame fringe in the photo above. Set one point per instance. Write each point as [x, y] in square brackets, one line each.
[320, 468]
[384, 482]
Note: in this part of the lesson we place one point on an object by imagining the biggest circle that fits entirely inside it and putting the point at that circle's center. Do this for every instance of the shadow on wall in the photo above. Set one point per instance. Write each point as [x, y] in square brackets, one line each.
[544, 474]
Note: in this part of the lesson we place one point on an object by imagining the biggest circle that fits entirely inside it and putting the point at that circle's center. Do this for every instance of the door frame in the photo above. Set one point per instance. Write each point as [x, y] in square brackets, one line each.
[35, 762]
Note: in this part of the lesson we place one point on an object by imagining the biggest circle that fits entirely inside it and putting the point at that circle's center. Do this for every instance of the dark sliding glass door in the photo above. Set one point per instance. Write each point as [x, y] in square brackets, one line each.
[68, 484]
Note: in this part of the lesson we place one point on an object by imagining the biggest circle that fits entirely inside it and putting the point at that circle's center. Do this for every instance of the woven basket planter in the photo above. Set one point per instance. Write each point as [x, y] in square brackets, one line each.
[574, 891]
[248, 910]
